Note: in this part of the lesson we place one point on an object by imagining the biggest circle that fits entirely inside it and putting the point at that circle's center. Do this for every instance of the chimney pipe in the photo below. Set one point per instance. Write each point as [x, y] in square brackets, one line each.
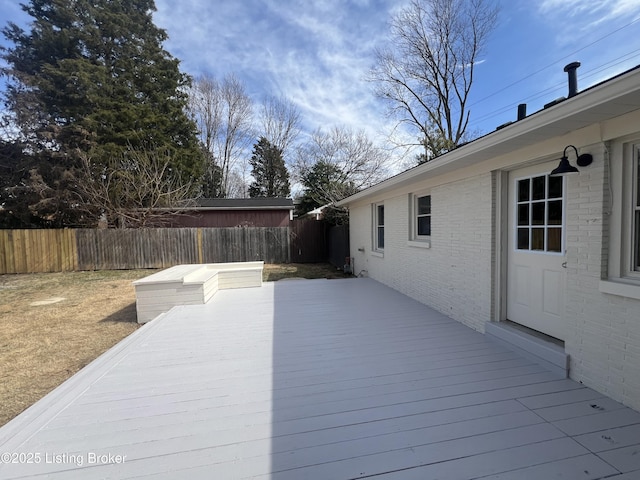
[522, 111]
[573, 78]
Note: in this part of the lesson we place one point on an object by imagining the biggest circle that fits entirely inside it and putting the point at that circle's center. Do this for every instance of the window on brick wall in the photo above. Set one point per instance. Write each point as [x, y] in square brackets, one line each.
[636, 210]
[423, 216]
[378, 230]
[420, 224]
[624, 218]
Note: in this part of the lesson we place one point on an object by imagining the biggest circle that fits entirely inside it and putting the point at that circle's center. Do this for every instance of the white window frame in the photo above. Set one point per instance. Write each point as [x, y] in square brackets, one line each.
[416, 240]
[378, 227]
[634, 214]
[623, 273]
[628, 251]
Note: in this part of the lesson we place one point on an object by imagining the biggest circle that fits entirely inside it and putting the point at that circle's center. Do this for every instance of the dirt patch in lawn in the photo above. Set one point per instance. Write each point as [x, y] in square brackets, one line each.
[53, 324]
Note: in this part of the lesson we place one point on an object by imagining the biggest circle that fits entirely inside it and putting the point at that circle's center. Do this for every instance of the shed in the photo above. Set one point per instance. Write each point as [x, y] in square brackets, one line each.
[235, 212]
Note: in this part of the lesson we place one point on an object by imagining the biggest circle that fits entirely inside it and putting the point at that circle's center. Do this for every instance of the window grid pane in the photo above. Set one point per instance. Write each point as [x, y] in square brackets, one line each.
[555, 187]
[424, 205]
[523, 239]
[537, 239]
[638, 180]
[636, 263]
[539, 214]
[538, 191]
[554, 239]
[424, 225]
[523, 190]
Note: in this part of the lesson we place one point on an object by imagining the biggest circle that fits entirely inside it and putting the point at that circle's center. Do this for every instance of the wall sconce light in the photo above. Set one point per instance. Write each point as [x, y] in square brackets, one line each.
[565, 168]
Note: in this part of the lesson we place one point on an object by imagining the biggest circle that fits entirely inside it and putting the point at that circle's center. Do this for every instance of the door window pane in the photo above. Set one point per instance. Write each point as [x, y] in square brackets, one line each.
[523, 190]
[555, 187]
[554, 212]
[554, 239]
[537, 213]
[537, 239]
[523, 239]
[523, 214]
[538, 188]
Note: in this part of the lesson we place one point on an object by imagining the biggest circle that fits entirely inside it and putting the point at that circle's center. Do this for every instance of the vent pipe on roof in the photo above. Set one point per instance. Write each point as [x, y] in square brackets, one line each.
[573, 78]
[522, 111]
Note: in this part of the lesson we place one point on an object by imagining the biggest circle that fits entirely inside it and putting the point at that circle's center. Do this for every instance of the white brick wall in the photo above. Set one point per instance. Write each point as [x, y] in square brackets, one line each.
[454, 275]
[604, 338]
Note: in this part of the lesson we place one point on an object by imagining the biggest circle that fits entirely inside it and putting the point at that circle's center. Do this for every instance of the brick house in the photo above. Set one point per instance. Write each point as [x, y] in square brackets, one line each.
[549, 265]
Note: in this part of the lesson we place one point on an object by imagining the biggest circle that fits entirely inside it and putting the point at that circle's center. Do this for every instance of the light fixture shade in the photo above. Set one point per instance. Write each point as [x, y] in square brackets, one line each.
[564, 168]
[584, 160]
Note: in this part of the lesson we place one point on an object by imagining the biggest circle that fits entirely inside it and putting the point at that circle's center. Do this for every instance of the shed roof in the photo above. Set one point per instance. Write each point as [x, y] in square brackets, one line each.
[606, 100]
[243, 204]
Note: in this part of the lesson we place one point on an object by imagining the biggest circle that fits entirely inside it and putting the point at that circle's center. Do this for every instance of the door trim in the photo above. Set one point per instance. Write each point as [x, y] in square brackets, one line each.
[501, 235]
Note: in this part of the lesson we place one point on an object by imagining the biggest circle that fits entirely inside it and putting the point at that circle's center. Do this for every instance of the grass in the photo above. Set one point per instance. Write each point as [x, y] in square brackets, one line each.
[272, 273]
[43, 343]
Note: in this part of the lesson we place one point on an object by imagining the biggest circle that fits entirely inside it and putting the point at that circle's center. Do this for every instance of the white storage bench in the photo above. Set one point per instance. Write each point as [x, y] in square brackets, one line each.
[191, 285]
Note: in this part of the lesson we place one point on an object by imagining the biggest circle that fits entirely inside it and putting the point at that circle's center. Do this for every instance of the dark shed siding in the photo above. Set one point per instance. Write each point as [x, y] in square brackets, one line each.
[232, 218]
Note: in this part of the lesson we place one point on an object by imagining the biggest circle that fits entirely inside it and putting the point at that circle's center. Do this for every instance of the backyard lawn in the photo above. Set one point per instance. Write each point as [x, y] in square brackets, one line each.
[53, 324]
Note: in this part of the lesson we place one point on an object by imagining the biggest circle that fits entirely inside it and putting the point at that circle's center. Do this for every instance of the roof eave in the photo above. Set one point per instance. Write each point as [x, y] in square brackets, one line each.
[601, 102]
[199, 209]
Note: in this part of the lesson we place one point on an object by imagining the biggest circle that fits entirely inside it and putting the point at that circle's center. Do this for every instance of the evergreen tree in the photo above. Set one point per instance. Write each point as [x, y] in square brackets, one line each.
[324, 184]
[271, 178]
[91, 78]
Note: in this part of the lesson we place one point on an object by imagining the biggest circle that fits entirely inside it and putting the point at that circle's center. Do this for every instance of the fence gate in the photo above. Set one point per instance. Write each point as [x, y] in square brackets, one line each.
[308, 241]
[338, 245]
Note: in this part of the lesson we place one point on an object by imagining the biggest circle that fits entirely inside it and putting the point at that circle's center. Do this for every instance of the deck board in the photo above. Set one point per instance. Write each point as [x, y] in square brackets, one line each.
[321, 379]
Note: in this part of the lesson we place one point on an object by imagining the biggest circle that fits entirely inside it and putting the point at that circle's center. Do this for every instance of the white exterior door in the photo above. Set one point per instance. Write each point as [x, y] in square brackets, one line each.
[536, 257]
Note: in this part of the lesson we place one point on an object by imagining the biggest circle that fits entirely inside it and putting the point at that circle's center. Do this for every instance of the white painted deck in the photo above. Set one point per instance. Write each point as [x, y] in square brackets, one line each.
[322, 379]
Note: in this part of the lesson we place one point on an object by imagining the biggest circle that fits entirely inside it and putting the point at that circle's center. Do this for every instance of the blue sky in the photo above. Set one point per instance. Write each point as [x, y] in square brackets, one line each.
[317, 53]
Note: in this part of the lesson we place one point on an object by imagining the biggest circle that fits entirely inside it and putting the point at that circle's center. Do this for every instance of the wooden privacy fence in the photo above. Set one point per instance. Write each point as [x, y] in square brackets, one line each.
[33, 251]
[27, 251]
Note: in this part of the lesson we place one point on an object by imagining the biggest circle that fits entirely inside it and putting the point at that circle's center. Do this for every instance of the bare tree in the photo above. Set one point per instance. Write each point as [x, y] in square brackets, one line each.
[280, 120]
[238, 185]
[224, 114]
[335, 164]
[137, 189]
[205, 106]
[427, 74]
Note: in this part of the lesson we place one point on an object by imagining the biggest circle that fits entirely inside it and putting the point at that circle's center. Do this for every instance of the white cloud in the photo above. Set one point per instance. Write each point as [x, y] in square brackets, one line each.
[315, 53]
[587, 14]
